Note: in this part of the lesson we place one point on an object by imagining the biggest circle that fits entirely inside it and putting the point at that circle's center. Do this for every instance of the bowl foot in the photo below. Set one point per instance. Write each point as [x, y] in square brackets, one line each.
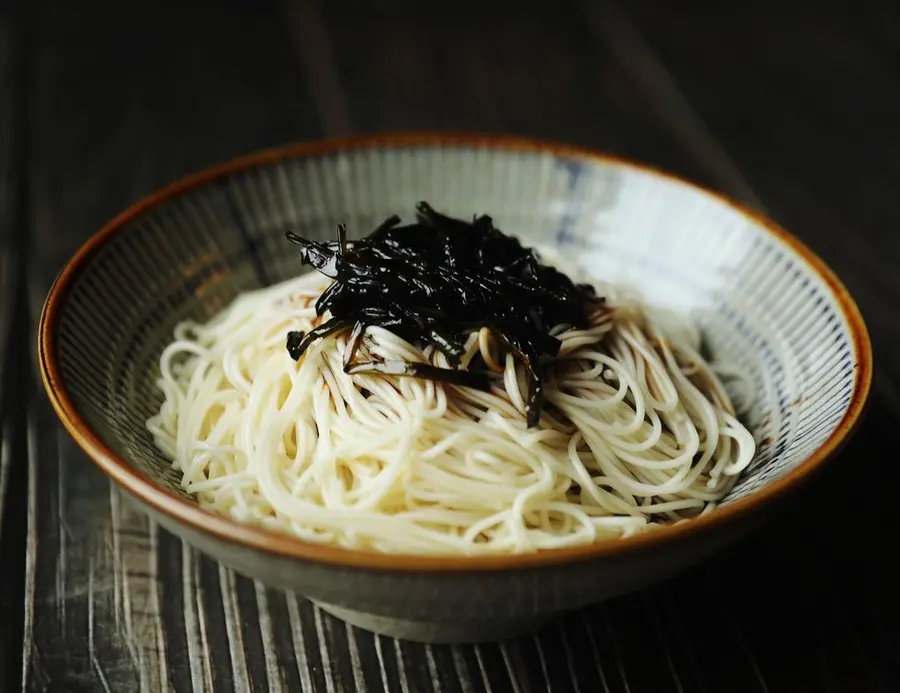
[437, 632]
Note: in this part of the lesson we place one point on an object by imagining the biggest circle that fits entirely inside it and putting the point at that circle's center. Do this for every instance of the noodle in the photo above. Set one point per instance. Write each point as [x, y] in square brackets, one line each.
[637, 430]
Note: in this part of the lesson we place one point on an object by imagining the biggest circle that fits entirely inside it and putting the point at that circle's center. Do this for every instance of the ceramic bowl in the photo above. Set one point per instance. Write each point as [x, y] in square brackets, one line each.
[760, 297]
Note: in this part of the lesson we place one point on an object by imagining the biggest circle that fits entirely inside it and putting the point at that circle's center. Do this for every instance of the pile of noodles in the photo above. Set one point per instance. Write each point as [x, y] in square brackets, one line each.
[637, 431]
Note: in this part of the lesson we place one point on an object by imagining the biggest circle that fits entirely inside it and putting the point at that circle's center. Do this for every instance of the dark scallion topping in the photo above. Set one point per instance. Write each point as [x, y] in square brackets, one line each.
[435, 282]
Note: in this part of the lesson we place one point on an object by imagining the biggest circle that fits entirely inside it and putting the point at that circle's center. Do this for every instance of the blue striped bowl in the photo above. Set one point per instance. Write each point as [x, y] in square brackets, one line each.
[761, 298]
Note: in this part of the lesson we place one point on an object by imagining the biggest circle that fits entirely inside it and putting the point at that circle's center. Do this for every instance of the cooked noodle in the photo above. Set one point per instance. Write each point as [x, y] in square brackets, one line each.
[637, 431]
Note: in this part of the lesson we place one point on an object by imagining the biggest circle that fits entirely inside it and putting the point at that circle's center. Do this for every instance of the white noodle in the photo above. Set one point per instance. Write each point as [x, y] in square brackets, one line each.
[639, 431]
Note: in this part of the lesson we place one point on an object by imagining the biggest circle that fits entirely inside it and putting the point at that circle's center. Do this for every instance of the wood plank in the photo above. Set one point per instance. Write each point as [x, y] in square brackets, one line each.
[820, 150]
[804, 104]
[502, 68]
[12, 347]
[496, 67]
[13, 481]
[9, 246]
[652, 79]
[121, 107]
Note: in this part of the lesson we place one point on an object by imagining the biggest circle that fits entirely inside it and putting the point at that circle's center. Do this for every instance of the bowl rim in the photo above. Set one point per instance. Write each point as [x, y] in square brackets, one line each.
[185, 512]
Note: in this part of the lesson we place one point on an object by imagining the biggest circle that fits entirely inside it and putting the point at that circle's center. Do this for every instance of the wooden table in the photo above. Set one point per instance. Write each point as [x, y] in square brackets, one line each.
[796, 113]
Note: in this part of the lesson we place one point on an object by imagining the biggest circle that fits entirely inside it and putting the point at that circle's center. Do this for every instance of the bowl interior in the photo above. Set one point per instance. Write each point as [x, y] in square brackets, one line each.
[758, 303]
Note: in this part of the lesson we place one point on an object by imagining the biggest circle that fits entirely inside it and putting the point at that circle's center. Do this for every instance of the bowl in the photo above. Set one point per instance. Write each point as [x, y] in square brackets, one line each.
[760, 297]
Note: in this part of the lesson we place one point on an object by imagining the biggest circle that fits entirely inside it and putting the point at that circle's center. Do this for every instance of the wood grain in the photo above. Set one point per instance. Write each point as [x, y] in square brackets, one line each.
[118, 107]
[12, 347]
[805, 103]
[810, 118]
[145, 102]
[9, 250]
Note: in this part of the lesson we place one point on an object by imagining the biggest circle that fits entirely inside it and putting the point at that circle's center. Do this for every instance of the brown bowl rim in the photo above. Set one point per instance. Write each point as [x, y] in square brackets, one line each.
[185, 512]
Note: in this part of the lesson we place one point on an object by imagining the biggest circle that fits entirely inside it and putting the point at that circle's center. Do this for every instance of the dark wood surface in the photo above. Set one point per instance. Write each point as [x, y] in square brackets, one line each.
[12, 429]
[795, 113]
